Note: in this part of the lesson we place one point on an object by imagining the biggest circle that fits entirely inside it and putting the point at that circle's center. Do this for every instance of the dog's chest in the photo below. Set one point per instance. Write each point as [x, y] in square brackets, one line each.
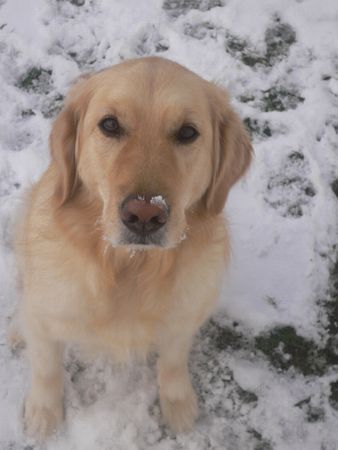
[122, 321]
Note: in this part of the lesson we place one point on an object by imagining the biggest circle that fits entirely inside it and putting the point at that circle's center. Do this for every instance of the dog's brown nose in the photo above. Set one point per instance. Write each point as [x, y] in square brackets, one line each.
[144, 214]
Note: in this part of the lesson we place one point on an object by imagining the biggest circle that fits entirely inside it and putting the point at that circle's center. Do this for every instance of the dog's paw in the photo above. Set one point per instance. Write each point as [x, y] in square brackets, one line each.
[40, 420]
[180, 414]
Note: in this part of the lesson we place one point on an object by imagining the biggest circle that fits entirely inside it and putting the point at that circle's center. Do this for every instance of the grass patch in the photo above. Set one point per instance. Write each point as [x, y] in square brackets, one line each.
[52, 106]
[36, 79]
[278, 40]
[312, 413]
[241, 49]
[280, 99]
[333, 398]
[257, 128]
[289, 194]
[246, 396]
[260, 442]
[27, 113]
[334, 187]
[225, 337]
[200, 30]
[296, 156]
[175, 8]
[331, 307]
[286, 349]
[289, 190]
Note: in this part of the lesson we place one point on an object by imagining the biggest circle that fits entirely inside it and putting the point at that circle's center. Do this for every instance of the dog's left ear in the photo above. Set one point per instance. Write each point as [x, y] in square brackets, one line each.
[232, 152]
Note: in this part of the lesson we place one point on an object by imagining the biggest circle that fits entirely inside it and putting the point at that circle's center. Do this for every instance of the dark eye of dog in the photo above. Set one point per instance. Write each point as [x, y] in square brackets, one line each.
[187, 134]
[110, 127]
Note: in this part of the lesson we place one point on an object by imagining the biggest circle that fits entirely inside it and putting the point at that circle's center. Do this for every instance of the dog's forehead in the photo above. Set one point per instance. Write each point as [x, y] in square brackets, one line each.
[152, 81]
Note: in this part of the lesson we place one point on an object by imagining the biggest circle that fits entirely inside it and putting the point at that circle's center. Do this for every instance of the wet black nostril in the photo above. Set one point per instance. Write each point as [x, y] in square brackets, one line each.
[132, 218]
[155, 220]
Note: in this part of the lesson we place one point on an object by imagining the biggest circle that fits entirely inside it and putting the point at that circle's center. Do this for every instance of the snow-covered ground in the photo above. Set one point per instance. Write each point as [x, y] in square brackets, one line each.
[266, 366]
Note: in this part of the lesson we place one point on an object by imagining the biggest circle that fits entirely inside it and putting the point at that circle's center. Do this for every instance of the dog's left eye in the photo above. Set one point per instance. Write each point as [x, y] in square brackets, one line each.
[110, 127]
[187, 134]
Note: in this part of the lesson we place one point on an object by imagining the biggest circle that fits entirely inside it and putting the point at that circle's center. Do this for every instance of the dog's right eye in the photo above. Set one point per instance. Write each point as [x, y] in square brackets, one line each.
[110, 127]
[187, 134]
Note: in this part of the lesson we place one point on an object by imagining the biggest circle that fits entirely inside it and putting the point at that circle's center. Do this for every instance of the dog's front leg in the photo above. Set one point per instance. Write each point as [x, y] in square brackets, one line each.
[177, 396]
[43, 409]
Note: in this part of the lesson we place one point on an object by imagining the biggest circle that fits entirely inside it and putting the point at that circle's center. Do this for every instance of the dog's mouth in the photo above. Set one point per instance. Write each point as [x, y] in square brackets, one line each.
[161, 239]
[143, 240]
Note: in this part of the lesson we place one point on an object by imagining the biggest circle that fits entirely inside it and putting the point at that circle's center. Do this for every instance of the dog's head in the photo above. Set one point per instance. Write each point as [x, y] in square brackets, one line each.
[150, 142]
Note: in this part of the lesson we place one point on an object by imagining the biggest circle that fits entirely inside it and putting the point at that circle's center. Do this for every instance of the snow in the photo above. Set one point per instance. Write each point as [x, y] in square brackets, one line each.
[158, 200]
[283, 216]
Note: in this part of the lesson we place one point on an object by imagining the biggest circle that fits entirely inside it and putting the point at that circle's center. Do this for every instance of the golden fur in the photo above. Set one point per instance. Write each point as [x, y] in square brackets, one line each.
[81, 282]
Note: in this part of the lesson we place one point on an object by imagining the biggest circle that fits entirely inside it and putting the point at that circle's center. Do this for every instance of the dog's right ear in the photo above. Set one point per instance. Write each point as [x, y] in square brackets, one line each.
[64, 141]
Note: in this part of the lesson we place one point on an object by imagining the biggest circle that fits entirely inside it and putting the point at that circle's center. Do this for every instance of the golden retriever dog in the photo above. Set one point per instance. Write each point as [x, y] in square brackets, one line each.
[122, 244]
